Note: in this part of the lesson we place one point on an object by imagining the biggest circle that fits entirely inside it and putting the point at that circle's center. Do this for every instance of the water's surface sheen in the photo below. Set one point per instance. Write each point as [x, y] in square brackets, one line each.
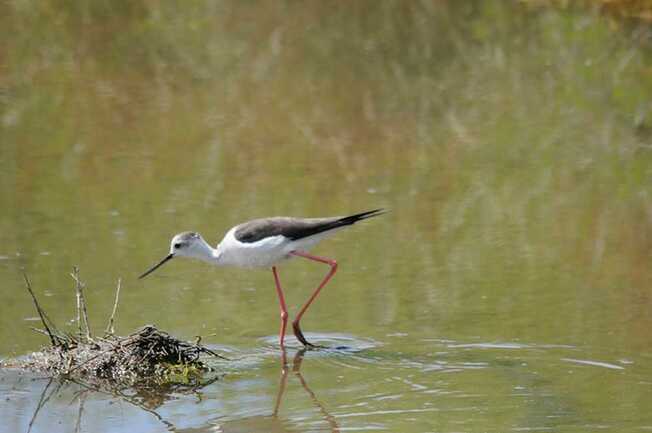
[508, 288]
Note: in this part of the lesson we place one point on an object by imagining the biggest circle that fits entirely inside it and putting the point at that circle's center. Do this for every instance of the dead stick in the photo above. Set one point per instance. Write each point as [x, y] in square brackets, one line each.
[83, 304]
[79, 286]
[40, 311]
[40, 331]
[109, 328]
[78, 296]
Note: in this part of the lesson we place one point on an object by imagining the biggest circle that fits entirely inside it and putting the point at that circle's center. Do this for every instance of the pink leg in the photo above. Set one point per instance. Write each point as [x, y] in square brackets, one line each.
[295, 323]
[284, 309]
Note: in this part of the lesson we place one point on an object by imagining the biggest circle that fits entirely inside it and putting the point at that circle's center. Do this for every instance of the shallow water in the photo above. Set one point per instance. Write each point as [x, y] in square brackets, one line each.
[423, 385]
[508, 288]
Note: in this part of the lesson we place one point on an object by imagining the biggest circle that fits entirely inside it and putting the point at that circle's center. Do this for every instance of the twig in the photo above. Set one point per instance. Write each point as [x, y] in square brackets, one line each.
[40, 331]
[41, 313]
[78, 295]
[109, 328]
[210, 352]
[81, 302]
[82, 400]
[80, 334]
[43, 400]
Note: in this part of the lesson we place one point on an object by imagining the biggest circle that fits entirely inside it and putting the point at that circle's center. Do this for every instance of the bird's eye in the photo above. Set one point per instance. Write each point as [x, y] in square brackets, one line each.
[177, 246]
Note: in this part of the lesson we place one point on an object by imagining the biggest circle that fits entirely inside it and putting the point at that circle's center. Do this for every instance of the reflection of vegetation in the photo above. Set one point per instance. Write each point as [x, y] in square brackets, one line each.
[638, 9]
[512, 144]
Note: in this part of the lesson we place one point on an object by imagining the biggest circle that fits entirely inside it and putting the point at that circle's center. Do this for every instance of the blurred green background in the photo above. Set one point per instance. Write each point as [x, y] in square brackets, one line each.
[511, 142]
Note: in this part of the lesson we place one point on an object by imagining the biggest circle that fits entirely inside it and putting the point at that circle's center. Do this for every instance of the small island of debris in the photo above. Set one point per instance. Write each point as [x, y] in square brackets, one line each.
[144, 358]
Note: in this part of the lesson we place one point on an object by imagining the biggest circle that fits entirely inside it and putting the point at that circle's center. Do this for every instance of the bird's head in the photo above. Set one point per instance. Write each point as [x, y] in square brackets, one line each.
[186, 244]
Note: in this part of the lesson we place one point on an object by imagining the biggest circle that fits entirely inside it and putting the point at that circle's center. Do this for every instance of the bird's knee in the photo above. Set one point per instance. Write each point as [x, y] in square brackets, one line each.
[284, 316]
[333, 264]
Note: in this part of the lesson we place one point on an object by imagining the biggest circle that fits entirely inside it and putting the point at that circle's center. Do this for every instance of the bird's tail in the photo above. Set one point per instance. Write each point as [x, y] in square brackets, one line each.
[321, 225]
[352, 219]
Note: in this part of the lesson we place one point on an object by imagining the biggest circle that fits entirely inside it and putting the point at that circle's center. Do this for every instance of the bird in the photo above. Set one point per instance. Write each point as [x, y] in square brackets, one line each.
[267, 242]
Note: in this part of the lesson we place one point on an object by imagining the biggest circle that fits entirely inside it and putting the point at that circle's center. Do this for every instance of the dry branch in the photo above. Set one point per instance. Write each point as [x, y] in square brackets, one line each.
[41, 313]
[81, 304]
[109, 327]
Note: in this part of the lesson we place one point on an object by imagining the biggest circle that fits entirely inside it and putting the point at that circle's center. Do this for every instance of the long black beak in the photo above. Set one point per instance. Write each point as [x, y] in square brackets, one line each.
[156, 266]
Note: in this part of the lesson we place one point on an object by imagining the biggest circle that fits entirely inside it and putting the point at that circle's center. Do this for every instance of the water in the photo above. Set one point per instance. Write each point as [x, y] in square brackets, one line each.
[508, 288]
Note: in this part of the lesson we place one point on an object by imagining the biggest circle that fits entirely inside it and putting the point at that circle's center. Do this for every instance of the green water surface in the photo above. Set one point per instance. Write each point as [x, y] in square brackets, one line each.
[508, 288]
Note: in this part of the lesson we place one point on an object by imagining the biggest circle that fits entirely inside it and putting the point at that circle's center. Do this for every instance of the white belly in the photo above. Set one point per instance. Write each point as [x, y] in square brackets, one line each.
[264, 253]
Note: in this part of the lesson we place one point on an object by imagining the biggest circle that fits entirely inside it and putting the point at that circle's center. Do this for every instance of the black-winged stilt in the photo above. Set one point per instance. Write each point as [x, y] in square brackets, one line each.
[266, 242]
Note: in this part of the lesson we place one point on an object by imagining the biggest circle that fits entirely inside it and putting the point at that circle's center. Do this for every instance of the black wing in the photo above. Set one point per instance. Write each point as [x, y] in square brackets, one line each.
[295, 228]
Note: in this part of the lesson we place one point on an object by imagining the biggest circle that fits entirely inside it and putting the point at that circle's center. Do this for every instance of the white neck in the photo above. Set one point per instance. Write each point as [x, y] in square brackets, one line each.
[203, 251]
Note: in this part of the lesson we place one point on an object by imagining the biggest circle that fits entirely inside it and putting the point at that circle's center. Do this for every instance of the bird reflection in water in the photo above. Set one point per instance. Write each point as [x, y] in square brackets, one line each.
[274, 423]
[296, 369]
